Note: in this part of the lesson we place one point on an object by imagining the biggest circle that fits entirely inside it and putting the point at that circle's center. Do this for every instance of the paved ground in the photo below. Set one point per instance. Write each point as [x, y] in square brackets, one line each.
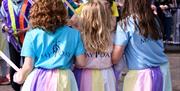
[175, 71]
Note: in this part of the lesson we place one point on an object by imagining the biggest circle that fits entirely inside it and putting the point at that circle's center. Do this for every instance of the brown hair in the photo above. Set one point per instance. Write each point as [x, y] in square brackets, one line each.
[48, 14]
[96, 26]
[140, 10]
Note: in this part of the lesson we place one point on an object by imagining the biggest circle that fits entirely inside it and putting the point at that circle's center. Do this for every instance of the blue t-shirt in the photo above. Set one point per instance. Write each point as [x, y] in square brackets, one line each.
[140, 53]
[53, 50]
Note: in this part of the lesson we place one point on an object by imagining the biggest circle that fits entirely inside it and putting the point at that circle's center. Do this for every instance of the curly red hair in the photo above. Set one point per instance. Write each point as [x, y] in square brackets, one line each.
[48, 14]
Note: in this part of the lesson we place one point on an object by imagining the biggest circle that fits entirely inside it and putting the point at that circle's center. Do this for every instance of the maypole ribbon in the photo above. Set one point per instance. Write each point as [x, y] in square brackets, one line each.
[8, 61]
[69, 5]
[32, 2]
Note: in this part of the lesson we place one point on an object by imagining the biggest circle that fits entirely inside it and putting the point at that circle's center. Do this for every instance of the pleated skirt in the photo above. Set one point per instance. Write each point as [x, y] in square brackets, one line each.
[151, 79]
[50, 80]
[95, 79]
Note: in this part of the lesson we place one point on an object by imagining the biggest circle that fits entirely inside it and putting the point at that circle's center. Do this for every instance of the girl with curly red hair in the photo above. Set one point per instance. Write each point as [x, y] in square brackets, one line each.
[49, 49]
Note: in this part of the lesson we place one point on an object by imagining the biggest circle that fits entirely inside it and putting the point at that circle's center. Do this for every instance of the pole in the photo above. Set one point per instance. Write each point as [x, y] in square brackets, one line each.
[8, 61]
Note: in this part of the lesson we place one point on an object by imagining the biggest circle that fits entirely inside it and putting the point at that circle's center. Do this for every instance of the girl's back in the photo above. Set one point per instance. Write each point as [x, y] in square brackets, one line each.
[99, 60]
[50, 47]
[139, 37]
[96, 28]
[140, 52]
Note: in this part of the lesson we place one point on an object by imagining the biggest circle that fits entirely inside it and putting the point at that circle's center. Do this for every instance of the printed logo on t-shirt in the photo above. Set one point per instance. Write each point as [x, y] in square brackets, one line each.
[57, 49]
[98, 54]
[145, 40]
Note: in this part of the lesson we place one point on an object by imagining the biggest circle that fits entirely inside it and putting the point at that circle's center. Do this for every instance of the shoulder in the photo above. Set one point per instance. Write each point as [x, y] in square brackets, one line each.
[70, 30]
[126, 27]
[126, 23]
[35, 31]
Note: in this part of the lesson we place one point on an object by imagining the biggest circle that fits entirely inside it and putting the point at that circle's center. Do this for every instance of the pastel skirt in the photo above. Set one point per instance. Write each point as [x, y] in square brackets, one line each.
[50, 80]
[95, 79]
[151, 79]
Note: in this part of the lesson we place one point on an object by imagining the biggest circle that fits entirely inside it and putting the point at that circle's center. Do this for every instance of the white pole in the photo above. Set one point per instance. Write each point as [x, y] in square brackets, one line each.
[8, 61]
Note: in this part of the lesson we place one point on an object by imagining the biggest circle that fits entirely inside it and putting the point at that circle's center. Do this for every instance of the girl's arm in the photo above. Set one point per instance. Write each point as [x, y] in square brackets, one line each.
[20, 76]
[117, 53]
[74, 22]
[81, 61]
[21, 31]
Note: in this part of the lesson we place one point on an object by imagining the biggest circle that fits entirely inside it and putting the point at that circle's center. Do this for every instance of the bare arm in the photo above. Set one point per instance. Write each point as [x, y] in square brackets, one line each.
[74, 22]
[21, 31]
[81, 61]
[21, 75]
[117, 53]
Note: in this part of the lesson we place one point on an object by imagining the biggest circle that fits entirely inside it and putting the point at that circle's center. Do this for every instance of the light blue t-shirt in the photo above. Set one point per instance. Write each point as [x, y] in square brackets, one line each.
[53, 50]
[140, 53]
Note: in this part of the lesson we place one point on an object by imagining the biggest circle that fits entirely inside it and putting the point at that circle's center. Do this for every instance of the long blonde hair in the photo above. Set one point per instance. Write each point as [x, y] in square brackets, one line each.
[96, 27]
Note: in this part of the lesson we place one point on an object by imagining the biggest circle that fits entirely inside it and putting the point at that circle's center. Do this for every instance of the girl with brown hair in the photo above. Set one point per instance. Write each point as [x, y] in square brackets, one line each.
[139, 37]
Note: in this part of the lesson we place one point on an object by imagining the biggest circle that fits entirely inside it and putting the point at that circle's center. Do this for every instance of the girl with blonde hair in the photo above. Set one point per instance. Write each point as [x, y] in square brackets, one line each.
[96, 31]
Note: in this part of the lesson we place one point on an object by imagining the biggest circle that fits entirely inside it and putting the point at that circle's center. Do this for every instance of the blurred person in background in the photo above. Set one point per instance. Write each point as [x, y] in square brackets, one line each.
[4, 48]
[165, 13]
[15, 23]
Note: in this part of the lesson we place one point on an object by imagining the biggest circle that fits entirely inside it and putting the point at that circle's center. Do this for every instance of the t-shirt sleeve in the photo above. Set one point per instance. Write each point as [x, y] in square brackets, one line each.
[80, 47]
[121, 36]
[27, 48]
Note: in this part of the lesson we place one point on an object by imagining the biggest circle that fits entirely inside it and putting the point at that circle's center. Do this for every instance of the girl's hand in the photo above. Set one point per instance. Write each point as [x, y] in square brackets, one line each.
[18, 33]
[163, 7]
[19, 77]
[153, 7]
[21, 31]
